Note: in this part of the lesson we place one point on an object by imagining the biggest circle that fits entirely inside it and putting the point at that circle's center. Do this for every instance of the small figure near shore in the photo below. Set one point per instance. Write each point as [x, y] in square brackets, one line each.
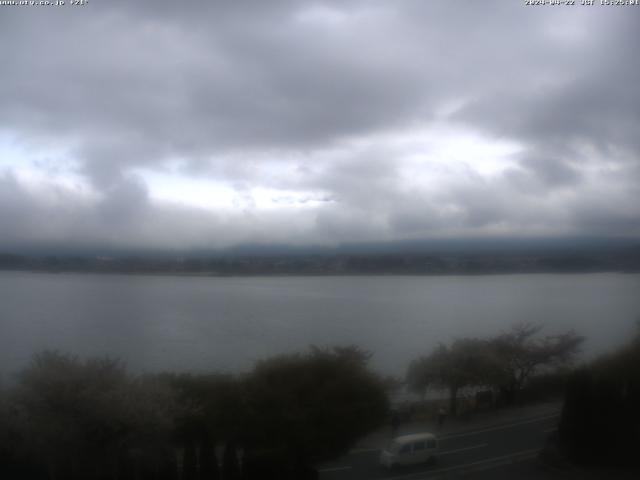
[442, 414]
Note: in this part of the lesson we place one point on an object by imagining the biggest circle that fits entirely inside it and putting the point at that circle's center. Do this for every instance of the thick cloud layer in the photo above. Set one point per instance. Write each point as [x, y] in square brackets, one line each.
[157, 124]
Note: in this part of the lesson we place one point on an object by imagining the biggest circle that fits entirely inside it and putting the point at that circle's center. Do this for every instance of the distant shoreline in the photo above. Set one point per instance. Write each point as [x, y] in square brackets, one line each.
[302, 275]
[623, 260]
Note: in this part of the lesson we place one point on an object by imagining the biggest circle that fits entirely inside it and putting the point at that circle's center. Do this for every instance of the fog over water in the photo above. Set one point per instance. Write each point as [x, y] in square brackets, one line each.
[205, 323]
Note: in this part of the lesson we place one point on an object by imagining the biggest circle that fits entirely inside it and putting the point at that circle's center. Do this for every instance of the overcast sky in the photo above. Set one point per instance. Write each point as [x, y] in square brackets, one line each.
[172, 124]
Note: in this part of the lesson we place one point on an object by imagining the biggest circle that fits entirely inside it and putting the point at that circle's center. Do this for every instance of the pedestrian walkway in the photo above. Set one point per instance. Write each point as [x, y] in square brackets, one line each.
[475, 421]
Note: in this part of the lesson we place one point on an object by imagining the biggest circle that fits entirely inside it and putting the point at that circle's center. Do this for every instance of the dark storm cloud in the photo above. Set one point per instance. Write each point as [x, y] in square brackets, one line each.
[239, 78]
[299, 96]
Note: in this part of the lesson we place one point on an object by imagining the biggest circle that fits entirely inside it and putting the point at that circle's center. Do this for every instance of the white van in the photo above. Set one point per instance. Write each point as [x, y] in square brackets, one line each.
[410, 450]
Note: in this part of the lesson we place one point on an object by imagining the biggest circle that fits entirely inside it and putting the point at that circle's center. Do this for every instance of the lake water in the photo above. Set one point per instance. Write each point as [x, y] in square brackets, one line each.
[201, 323]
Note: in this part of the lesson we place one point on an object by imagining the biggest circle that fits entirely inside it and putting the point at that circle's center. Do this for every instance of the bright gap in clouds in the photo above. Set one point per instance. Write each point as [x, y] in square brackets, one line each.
[189, 191]
[434, 156]
[446, 151]
[42, 168]
[212, 194]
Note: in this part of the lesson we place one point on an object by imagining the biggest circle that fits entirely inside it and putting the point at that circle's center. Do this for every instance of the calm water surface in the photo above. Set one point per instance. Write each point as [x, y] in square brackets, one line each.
[199, 323]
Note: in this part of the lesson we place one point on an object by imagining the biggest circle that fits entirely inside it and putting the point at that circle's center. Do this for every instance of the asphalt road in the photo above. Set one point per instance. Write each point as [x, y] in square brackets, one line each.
[490, 447]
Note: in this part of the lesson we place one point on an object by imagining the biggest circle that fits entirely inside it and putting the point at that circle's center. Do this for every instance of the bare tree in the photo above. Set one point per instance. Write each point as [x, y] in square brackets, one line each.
[519, 353]
[506, 361]
[463, 363]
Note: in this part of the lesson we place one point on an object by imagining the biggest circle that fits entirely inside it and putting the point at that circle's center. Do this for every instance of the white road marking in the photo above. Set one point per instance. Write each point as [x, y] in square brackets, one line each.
[525, 454]
[500, 427]
[334, 469]
[447, 452]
